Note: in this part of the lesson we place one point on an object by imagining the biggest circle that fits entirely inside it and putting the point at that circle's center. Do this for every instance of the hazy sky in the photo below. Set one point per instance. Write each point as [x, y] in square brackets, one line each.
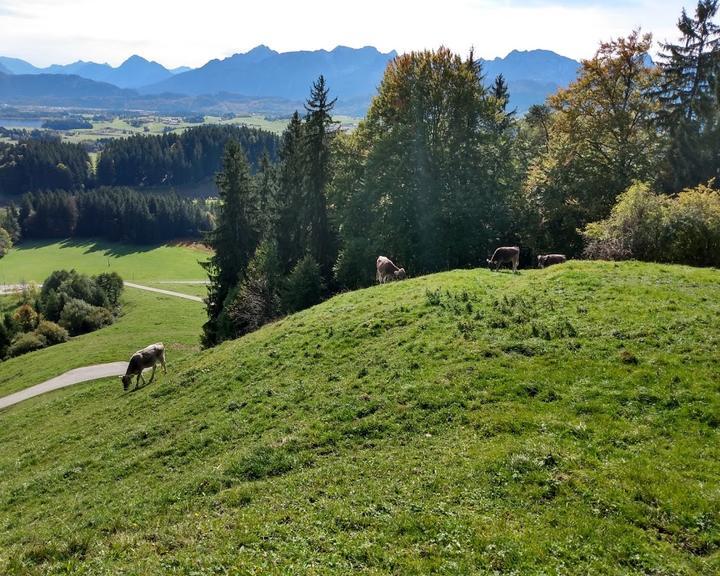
[182, 32]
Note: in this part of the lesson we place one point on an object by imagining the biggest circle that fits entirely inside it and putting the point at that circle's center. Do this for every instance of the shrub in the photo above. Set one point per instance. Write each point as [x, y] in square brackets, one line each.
[112, 286]
[25, 318]
[647, 226]
[79, 317]
[5, 242]
[25, 343]
[51, 332]
[256, 301]
[636, 228]
[304, 286]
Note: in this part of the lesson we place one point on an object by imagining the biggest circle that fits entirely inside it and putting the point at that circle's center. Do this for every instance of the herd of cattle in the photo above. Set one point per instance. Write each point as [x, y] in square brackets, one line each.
[154, 354]
[387, 271]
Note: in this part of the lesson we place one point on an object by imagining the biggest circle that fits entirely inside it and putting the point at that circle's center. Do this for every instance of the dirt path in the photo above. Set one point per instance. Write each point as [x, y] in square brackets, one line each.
[166, 292]
[68, 379]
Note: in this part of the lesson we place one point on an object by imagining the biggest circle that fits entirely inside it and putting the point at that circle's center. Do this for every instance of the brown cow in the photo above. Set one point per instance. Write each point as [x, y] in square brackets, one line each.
[148, 357]
[550, 259]
[505, 255]
[387, 271]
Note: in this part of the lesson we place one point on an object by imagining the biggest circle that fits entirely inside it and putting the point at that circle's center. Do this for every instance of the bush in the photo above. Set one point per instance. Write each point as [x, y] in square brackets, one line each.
[112, 286]
[25, 318]
[256, 301]
[51, 332]
[25, 343]
[5, 242]
[683, 229]
[79, 317]
[304, 286]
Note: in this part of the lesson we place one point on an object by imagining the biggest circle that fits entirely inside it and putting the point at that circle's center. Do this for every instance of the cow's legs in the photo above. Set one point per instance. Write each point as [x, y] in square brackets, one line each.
[153, 373]
[515, 265]
[162, 361]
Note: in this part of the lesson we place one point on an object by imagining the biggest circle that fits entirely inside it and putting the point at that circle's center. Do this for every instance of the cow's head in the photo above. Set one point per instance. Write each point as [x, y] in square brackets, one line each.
[400, 274]
[541, 260]
[126, 381]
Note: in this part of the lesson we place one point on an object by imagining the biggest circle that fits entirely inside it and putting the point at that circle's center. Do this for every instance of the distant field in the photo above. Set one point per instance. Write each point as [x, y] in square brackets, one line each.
[146, 318]
[34, 261]
[120, 128]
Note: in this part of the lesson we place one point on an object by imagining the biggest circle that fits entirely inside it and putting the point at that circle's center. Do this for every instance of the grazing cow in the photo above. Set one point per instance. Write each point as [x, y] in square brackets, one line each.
[387, 271]
[550, 259]
[505, 255]
[146, 358]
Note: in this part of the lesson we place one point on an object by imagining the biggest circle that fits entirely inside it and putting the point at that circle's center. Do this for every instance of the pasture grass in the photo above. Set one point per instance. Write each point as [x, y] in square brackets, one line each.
[561, 421]
[33, 261]
[146, 318]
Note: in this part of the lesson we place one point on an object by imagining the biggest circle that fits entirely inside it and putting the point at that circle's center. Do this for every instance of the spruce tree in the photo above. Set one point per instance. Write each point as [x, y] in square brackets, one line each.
[288, 228]
[234, 239]
[318, 135]
[689, 95]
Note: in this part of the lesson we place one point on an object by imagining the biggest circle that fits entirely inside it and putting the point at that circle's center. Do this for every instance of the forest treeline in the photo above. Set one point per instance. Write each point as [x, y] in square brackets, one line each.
[440, 172]
[115, 214]
[141, 160]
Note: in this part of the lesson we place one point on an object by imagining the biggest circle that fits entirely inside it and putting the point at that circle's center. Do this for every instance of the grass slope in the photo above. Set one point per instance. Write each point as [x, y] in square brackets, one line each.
[562, 421]
[146, 318]
[34, 261]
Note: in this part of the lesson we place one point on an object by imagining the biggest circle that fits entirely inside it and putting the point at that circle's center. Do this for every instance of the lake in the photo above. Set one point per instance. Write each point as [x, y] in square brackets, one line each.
[20, 122]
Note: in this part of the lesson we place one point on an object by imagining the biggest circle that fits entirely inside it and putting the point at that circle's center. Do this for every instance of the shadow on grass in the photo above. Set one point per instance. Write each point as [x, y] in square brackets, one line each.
[90, 245]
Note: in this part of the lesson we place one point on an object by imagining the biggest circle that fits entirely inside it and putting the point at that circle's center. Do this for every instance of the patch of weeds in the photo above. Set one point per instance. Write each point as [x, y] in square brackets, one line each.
[433, 297]
[627, 357]
[262, 462]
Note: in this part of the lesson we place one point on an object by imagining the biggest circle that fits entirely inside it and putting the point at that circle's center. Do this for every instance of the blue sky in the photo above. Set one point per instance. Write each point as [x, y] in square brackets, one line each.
[183, 32]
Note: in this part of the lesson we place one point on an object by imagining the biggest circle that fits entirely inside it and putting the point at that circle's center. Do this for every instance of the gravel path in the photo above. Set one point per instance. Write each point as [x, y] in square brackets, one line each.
[166, 292]
[68, 379]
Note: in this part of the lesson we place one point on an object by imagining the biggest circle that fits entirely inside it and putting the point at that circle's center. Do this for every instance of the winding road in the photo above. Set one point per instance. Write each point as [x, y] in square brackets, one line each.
[86, 373]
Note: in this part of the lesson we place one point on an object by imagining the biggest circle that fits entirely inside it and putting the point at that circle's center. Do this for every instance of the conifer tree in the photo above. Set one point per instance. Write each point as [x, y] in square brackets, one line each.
[288, 229]
[234, 239]
[690, 97]
[318, 135]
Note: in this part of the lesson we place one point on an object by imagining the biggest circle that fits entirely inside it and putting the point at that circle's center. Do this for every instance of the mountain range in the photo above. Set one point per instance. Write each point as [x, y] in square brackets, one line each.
[254, 76]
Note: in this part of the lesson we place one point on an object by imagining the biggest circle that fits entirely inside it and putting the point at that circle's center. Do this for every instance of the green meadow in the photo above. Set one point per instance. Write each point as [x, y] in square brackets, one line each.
[33, 261]
[146, 318]
[558, 421]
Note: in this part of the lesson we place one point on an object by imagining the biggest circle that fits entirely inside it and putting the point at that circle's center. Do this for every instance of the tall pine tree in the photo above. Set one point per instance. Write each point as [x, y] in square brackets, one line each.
[234, 239]
[318, 135]
[689, 95]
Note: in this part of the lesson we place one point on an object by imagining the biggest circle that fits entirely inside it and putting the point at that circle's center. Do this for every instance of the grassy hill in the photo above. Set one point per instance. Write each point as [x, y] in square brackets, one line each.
[555, 421]
[146, 318]
[35, 260]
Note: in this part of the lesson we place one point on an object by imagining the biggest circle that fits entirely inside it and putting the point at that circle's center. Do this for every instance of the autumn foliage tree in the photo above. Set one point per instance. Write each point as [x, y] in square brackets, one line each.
[600, 138]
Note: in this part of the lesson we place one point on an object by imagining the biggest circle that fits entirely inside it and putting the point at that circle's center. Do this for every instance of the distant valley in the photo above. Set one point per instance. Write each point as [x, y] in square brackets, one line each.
[260, 81]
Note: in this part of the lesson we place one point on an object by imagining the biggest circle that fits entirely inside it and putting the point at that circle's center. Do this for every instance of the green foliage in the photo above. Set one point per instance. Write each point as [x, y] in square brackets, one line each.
[234, 238]
[5, 242]
[26, 342]
[113, 214]
[256, 300]
[111, 285]
[689, 94]
[25, 318]
[304, 286]
[600, 138]
[47, 164]
[173, 159]
[427, 178]
[648, 226]
[51, 333]
[80, 317]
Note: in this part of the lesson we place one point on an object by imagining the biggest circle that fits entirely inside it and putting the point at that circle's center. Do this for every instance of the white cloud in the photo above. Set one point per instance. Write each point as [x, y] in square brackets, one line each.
[182, 32]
